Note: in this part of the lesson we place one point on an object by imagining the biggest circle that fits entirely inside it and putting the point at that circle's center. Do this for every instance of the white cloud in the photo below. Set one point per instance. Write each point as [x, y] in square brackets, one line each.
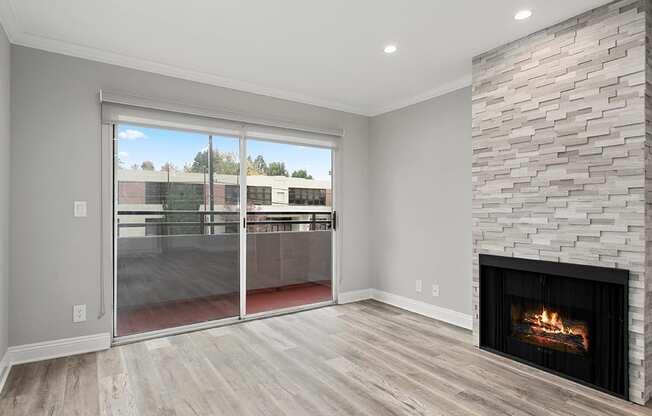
[123, 155]
[131, 135]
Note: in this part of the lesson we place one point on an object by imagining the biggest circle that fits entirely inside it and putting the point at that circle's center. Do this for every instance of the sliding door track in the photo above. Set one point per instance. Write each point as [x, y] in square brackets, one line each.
[201, 326]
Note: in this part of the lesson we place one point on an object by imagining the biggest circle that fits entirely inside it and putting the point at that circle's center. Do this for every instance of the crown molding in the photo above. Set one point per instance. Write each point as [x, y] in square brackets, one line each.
[8, 19]
[443, 89]
[93, 54]
[18, 36]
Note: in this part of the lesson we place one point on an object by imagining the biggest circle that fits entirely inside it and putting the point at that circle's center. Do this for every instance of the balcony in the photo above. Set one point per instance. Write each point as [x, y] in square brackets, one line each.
[180, 267]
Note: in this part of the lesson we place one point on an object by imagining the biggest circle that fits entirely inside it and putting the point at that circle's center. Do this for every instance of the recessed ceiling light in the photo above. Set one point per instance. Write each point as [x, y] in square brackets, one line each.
[523, 14]
[390, 48]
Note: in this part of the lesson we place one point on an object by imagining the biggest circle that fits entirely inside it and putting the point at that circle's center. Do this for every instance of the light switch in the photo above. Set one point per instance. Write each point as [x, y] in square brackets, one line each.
[80, 209]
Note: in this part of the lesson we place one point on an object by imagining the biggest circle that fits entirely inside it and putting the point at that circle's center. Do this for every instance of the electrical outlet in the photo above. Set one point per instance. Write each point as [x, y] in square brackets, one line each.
[419, 286]
[435, 290]
[79, 313]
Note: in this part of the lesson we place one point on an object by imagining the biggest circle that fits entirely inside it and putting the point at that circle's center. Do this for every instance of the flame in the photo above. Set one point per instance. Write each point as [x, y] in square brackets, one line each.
[550, 322]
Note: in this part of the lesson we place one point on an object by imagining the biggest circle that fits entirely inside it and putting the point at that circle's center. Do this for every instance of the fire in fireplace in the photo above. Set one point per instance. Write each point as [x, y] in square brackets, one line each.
[545, 327]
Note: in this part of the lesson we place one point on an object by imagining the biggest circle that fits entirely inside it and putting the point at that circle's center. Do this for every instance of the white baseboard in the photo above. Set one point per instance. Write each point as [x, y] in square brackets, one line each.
[72, 346]
[58, 348]
[4, 370]
[449, 316]
[355, 296]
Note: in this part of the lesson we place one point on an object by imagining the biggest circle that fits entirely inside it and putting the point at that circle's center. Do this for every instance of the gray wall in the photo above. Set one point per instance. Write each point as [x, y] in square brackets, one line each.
[4, 189]
[56, 156]
[420, 183]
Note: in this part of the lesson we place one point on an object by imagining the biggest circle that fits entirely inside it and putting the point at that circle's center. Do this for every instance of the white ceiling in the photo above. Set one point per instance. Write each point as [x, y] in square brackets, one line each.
[327, 53]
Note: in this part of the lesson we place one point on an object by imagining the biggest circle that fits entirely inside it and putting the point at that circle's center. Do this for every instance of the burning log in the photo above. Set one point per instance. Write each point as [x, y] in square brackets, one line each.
[544, 326]
[548, 329]
[556, 340]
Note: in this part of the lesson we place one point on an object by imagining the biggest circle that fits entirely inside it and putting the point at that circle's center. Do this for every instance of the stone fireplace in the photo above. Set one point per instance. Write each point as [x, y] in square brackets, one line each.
[560, 155]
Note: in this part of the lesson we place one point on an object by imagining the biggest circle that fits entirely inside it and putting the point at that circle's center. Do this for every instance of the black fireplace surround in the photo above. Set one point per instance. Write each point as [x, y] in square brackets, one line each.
[567, 319]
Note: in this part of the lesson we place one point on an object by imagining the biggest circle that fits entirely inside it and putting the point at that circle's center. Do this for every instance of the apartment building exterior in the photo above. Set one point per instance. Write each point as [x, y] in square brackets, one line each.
[145, 198]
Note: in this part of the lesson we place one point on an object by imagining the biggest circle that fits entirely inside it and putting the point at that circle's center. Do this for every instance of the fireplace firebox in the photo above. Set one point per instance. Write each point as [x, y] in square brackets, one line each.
[568, 319]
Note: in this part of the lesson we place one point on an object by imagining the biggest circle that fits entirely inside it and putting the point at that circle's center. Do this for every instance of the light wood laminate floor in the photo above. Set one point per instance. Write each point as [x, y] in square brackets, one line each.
[364, 358]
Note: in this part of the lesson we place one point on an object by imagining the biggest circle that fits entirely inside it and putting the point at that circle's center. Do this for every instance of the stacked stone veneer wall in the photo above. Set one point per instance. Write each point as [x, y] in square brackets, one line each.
[560, 156]
[648, 205]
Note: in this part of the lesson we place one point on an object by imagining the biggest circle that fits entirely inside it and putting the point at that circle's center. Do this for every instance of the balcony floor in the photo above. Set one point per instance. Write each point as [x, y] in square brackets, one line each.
[152, 317]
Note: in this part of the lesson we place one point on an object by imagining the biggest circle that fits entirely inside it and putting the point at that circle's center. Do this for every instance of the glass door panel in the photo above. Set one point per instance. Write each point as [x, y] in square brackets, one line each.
[177, 208]
[289, 226]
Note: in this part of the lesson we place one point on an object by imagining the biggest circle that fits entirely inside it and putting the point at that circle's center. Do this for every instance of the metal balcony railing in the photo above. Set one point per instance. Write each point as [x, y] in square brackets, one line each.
[205, 223]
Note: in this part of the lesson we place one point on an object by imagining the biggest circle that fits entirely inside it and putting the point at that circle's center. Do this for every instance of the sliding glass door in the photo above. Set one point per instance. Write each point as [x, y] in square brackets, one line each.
[181, 229]
[177, 228]
[289, 233]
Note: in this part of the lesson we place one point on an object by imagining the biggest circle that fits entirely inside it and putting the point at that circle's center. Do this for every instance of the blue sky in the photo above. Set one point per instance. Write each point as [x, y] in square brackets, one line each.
[137, 144]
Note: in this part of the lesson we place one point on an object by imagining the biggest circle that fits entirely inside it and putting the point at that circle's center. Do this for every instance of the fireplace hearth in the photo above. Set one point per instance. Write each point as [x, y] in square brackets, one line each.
[568, 319]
